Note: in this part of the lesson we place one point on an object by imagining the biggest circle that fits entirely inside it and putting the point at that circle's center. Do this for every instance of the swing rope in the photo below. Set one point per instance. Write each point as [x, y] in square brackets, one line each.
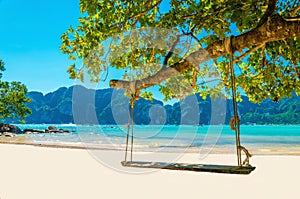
[132, 123]
[130, 127]
[127, 136]
[235, 120]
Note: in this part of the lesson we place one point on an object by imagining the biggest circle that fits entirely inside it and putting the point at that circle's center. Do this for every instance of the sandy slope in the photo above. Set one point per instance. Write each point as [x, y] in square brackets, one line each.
[54, 173]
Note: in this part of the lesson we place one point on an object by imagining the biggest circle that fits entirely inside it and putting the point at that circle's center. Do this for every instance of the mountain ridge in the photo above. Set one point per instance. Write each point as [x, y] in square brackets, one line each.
[107, 106]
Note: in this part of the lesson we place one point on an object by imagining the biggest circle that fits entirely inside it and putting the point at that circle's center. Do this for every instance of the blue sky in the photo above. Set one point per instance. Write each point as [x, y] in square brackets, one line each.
[30, 39]
[29, 43]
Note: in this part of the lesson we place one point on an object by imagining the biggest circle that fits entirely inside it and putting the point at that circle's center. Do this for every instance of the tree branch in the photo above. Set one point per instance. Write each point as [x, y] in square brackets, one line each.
[248, 52]
[297, 18]
[190, 16]
[138, 16]
[295, 11]
[274, 29]
[270, 10]
[171, 52]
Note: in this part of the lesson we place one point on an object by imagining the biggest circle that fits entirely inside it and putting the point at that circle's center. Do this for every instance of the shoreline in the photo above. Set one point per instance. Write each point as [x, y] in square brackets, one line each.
[217, 150]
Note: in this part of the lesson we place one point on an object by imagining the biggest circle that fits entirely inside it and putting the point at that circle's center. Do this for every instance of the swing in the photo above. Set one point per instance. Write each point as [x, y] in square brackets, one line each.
[241, 167]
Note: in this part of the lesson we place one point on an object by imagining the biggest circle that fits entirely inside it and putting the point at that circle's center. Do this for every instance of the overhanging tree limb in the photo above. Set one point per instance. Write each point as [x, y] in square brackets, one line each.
[270, 10]
[273, 29]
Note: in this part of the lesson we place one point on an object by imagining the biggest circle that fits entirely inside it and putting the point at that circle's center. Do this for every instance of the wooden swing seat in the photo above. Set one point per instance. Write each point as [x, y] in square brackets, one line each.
[191, 167]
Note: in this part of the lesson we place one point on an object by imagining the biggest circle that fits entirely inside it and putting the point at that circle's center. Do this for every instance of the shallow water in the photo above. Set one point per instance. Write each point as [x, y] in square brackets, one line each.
[171, 137]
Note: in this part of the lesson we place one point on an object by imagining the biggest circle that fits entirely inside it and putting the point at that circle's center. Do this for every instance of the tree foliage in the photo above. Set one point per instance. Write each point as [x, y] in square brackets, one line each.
[170, 44]
[13, 99]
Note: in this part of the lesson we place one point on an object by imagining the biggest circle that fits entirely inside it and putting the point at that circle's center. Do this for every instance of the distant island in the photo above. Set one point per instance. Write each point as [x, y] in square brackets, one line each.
[56, 108]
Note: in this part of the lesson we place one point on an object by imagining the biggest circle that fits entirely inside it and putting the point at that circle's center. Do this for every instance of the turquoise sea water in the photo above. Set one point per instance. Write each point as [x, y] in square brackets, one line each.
[151, 137]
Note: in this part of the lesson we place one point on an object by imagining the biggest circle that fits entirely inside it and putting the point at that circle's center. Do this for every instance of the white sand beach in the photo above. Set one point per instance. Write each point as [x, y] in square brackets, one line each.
[30, 172]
